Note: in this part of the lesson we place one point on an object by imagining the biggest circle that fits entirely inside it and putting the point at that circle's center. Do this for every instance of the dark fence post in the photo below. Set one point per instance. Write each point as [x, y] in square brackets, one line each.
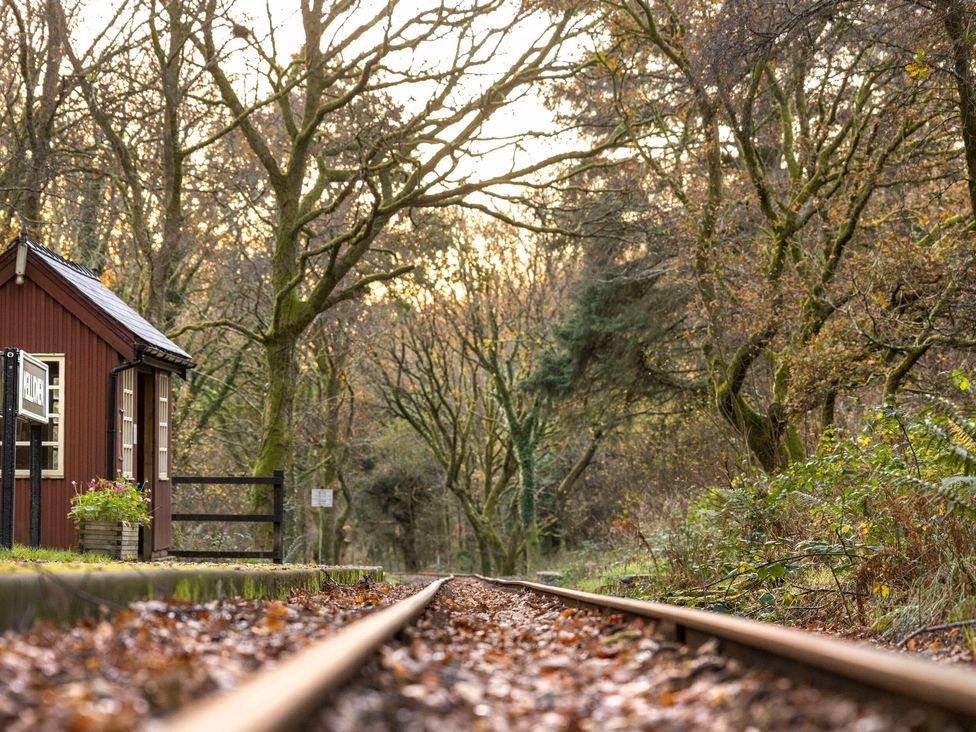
[35, 485]
[279, 515]
[9, 447]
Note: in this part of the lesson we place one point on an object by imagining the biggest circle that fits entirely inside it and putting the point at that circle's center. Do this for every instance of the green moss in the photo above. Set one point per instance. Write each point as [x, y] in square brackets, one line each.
[184, 590]
[250, 588]
[21, 553]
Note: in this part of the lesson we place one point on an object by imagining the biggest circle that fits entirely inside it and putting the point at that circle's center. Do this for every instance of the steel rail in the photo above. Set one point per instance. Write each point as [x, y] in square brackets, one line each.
[287, 694]
[919, 680]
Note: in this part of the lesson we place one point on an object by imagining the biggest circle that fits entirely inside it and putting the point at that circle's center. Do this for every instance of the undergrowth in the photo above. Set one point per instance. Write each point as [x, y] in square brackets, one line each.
[875, 530]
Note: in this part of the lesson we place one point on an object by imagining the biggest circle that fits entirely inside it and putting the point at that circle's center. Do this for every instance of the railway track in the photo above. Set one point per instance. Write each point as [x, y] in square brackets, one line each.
[480, 653]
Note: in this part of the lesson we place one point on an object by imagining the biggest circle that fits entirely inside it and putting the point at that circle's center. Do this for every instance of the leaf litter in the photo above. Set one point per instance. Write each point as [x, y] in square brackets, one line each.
[146, 661]
[486, 659]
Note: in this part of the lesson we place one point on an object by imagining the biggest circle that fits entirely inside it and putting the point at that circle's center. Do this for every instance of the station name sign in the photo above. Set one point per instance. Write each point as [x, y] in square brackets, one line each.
[32, 394]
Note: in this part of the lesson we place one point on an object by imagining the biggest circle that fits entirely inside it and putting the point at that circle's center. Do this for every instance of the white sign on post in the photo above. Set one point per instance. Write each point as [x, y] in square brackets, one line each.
[32, 394]
[322, 497]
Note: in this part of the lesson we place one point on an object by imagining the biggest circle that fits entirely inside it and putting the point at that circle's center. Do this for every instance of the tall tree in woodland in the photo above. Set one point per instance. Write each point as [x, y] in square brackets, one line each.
[344, 160]
[773, 136]
[959, 21]
[507, 297]
[426, 378]
[142, 87]
[459, 372]
[34, 90]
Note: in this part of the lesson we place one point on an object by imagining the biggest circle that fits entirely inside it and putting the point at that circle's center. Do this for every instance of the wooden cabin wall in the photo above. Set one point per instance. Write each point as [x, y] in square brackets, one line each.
[32, 320]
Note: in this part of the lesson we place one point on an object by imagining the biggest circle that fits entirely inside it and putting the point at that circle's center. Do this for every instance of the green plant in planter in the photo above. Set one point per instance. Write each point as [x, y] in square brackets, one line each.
[111, 500]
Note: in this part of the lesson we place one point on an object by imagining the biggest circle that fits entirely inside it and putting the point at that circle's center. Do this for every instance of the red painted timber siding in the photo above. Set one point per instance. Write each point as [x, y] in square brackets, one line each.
[93, 343]
[34, 321]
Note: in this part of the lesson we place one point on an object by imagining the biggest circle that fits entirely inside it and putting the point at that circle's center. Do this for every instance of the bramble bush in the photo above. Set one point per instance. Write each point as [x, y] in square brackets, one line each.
[110, 500]
[873, 529]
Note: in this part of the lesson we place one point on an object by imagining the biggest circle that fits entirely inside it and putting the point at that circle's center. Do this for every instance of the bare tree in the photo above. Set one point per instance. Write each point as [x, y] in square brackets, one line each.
[345, 162]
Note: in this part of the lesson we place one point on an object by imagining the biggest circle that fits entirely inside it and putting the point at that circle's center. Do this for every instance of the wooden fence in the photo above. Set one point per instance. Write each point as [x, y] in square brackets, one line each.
[277, 481]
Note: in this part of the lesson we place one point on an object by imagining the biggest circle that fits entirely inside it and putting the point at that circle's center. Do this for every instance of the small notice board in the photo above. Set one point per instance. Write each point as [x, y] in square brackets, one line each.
[322, 497]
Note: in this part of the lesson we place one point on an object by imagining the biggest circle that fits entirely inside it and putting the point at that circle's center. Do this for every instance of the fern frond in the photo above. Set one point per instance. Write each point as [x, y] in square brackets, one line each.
[952, 489]
[962, 437]
[954, 453]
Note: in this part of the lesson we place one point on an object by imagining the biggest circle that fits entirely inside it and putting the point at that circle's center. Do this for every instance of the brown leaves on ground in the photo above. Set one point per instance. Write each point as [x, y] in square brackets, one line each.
[486, 659]
[155, 656]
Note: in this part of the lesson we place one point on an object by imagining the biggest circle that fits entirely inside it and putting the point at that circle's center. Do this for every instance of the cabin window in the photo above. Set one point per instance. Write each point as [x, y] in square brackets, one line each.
[128, 423]
[163, 441]
[52, 435]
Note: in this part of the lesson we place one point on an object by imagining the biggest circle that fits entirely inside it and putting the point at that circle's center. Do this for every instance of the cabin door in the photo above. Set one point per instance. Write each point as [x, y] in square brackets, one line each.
[145, 451]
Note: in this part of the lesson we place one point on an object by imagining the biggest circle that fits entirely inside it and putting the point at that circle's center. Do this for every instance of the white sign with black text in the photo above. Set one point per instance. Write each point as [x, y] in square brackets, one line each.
[322, 497]
[32, 398]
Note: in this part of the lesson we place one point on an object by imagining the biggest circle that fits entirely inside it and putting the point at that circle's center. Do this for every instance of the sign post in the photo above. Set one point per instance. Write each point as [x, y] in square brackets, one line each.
[10, 365]
[25, 394]
[35, 484]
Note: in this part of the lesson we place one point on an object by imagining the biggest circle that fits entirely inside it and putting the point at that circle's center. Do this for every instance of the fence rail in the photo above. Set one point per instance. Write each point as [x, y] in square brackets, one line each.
[277, 481]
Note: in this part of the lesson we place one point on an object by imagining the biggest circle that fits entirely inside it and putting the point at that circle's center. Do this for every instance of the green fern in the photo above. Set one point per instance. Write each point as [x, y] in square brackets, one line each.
[953, 439]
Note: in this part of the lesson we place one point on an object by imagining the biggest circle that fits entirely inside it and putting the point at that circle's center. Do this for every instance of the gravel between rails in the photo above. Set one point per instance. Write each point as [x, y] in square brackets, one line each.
[486, 659]
[140, 664]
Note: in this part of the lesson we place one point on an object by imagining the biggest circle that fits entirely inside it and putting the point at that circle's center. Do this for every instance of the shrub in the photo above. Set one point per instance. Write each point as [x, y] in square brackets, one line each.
[872, 529]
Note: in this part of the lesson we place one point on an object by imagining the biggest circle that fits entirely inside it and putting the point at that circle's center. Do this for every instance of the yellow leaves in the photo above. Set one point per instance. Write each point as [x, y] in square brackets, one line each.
[917, 68]
[880, 589]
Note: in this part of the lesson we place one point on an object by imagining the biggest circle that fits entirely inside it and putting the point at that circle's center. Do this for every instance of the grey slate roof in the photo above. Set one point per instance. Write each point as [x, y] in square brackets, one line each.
[88, 284]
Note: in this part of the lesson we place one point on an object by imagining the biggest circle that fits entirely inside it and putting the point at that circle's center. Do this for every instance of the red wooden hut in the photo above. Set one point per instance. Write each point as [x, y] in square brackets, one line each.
[110, 384]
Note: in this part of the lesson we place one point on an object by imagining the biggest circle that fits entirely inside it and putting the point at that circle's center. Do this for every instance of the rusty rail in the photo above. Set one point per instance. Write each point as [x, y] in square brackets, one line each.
[284, 696]
[919, 680]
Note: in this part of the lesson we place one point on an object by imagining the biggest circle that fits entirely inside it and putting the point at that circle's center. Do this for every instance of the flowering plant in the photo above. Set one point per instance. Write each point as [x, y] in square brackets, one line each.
[110, 500]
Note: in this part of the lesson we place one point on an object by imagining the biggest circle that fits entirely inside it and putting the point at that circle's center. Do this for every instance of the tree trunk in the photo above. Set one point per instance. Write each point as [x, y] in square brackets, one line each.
[279, 354]
[762, 432]
[957, 26]
[528, 486]
[827, 408]
[339, 539]
[484, 553]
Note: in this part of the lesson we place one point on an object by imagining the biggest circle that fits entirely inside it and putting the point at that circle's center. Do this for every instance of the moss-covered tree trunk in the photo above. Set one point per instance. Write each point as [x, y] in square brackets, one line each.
[524, 439]
[279, 356]
[320, 531]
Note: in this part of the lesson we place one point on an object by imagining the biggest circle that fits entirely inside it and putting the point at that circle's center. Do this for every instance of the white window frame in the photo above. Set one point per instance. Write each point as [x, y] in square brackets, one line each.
[162, 425]
[57, 472]
[128, 423]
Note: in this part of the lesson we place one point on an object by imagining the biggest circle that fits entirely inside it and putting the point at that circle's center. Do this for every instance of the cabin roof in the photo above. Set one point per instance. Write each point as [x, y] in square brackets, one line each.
[146, 337]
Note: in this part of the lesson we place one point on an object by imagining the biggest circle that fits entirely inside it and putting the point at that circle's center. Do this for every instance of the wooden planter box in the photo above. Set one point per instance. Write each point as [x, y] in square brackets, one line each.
[110, 537]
